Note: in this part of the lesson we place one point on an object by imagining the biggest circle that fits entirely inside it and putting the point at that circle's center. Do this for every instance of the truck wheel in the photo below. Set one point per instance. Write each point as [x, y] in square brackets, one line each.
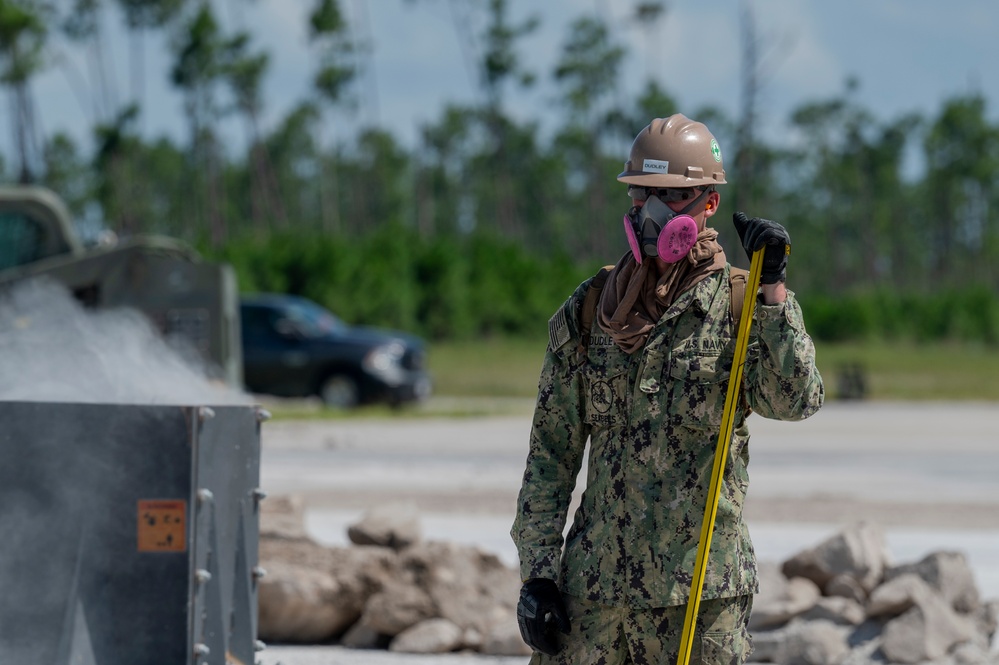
[339, 391]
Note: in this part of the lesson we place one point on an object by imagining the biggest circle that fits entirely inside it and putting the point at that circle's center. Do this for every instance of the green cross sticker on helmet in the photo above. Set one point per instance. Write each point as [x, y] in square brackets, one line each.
[715, 150]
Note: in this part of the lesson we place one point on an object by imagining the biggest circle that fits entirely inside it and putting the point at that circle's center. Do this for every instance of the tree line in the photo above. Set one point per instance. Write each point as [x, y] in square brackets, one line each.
[489, 220]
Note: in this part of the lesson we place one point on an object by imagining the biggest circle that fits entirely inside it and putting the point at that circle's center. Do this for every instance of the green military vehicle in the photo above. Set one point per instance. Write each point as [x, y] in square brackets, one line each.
[182, 295]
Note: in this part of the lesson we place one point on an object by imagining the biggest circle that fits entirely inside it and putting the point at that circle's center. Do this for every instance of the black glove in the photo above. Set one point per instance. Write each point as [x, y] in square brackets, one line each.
[539, 611]
[755, 232]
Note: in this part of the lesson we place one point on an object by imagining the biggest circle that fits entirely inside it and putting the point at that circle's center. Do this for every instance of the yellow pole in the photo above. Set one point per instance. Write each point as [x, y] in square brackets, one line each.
[721, 455]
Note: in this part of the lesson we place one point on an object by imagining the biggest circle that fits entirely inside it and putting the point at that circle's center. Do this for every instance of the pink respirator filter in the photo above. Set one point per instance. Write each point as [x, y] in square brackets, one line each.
[675, 240]
[629, 231]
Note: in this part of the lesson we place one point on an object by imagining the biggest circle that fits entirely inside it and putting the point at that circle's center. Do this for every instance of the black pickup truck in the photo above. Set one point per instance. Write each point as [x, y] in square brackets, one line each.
[293, 347]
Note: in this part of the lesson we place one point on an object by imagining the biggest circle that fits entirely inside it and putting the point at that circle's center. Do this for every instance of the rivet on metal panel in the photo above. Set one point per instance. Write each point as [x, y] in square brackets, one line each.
[202, 575]
[263, 415]
[259, 494]
[205, 413]
[205, 495]
[259, 646]
[201, 650]
[258, 572]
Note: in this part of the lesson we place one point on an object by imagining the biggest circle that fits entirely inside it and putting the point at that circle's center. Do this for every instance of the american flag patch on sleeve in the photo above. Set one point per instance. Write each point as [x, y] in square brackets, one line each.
[558, 330]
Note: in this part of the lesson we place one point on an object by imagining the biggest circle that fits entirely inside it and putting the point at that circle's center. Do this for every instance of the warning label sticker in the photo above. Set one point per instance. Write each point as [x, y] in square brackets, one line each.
[162, 525]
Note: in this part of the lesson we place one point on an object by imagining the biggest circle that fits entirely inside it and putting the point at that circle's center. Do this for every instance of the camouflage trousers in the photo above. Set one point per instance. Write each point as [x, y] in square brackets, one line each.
[603, 635]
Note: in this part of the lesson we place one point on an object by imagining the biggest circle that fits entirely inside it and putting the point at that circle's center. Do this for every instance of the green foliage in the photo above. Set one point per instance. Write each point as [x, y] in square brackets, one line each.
[965, 315]
[198, 51]
[450, 287]
[141, 14]
[444, 287]
[326, 19]
[589, 64]
[243, 71]
[500, 60]
[329, 32]
[23, 32]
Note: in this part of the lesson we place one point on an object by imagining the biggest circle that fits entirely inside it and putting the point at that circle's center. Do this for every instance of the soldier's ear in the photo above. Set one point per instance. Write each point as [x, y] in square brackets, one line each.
[711, 205]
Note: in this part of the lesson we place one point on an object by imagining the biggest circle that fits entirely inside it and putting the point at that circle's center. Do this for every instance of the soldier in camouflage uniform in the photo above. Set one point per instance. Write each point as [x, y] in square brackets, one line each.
[645, 386]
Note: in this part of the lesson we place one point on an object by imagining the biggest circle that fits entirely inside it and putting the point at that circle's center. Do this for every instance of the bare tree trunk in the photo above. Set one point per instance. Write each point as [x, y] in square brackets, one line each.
[466, 38]
[329, 191]
[266, 203]
[944, 234]
[425, 207]
[508, 220]
[598, 203]
[362, 27]
[26, 133]
[106, 85]
[265, 190]
[745, 160]
[329, 203]
[216, 196]
[138, 71]
[217, 190]
[20, 132]
[506, 214]
[258, 218]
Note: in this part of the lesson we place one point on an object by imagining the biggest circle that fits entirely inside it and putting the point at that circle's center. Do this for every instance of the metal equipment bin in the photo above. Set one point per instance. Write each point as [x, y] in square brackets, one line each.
[129, 533]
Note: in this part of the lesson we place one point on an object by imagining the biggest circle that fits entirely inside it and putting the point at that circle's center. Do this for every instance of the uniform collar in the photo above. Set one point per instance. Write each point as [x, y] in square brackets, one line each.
[701, 296]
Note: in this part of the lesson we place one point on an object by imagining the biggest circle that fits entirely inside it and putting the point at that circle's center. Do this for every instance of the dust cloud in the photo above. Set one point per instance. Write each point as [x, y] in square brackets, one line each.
[52, 349]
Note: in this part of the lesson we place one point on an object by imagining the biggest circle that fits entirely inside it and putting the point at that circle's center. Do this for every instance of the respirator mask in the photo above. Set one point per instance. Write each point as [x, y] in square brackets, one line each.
[655, 230]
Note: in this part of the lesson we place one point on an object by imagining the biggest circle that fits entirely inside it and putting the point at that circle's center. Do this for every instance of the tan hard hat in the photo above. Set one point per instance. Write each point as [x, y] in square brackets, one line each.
[674, 152]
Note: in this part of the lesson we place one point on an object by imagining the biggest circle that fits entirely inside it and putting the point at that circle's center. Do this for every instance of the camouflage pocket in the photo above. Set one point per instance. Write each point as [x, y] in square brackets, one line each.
[699, 381]
[726, 648]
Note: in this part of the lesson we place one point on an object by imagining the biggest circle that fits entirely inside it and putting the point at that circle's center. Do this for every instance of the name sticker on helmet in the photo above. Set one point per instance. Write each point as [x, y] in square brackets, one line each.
[655, 166]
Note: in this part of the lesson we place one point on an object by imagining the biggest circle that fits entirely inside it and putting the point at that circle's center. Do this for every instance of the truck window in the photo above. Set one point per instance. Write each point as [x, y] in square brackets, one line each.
[257, 324]
[21, 240]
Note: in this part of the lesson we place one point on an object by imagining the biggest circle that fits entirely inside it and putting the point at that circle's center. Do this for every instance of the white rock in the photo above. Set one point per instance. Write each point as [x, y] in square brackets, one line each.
[949, 574]
[430, 636]
[395, 525]
[468, 586]
[897, 596]
[802, 643]
[973, 654]
[925, 632]
[363, 636]
[846, 586]
[397, 607]
[283, 517]
[503, 638]
[838, 610]
[780, 599]
[298, 604]
[986, 620]
[858, 551]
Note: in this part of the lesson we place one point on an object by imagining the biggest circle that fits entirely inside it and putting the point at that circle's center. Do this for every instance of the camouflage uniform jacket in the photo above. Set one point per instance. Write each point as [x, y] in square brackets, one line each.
[652, 420]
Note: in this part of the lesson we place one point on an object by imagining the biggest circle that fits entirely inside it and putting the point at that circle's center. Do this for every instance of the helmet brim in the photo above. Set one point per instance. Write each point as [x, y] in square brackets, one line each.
[642, 179]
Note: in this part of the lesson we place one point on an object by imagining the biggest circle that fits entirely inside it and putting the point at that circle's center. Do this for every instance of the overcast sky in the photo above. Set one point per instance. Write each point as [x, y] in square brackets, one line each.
[908, 55]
